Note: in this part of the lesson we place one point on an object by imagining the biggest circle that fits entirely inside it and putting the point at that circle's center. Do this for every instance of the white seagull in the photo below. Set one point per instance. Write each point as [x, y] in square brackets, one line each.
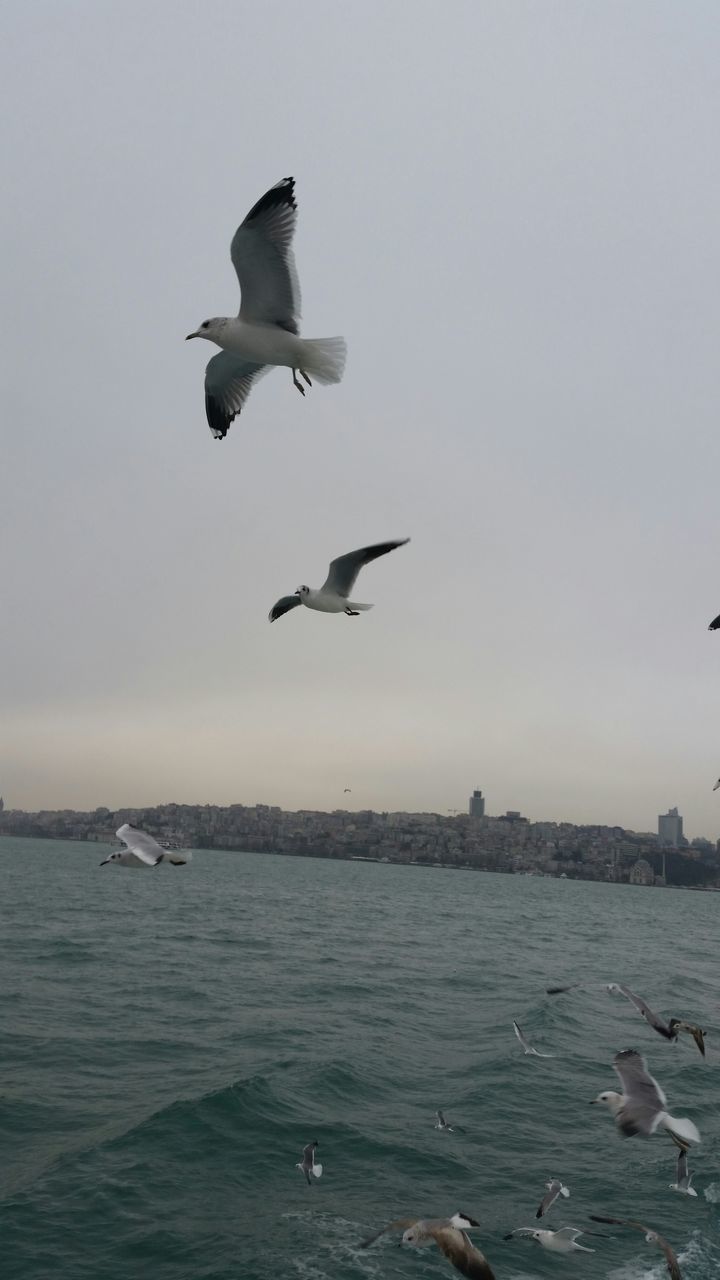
[332, 597]
[265, 332]
[640, 1108]
[562, 1241]
[141, 850]
[307, 1165]
[450, 1234]
[652, 1237]
[527, 1048]
[555, 1188]
[683, 1180]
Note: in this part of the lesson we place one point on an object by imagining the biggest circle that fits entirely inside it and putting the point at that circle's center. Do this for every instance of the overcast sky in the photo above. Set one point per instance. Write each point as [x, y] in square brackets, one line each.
[511, 210]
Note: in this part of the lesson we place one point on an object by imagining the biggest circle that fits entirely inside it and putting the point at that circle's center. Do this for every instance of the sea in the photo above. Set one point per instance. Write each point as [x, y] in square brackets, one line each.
[171, 1039]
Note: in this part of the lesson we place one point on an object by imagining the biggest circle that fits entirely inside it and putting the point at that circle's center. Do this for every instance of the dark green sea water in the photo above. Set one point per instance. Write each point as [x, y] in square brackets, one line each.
[171, 1039]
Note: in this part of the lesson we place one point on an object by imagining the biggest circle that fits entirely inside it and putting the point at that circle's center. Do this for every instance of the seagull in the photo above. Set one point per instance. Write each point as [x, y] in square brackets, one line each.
[717, 784]
[555, 1188]
[675, 1025]
[652, 1237]
[641, 1107]
[442, 1123]
[307, 1164]
[265, 332]
[346, 790]
[143, 851]
[332, 597]
[450, 1234]
[527, 1048]
[562, 1241]
[683, 1180]
[668, 1030]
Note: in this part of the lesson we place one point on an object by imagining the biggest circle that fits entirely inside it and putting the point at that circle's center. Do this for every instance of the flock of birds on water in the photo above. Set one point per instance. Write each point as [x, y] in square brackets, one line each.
[263, 335]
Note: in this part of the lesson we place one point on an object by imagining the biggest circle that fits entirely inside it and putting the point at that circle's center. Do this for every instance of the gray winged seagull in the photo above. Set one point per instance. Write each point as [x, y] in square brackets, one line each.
[562, 1241]
[450, 1235]
[717, 784]
[669, 1030]
[308, 1165]
[640, 1108]
[652, 1237]
[683, 1179]
[527, 1048]
[332, 596]
[141, 850]
[554, 1189]
[265, 333]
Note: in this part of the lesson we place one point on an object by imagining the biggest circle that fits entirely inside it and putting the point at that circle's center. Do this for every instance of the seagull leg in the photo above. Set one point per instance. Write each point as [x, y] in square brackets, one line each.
[306, 376]
[352, 613]
[297, 384]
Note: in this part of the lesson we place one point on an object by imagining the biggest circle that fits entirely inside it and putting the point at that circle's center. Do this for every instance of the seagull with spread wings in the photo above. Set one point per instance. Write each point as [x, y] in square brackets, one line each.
[308, 1165]
[265, 333]
[142, 850]
[450, 1235]
[332, 596]
[640, 1108]
[652, 1237]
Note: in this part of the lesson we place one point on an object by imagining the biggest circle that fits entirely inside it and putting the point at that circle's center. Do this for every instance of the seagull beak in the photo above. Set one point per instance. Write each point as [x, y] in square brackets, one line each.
[191, 335]
[104, 862]
[592, 1102]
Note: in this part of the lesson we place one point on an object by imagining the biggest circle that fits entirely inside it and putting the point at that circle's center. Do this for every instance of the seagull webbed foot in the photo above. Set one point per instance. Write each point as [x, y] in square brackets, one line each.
[297, 384]
[353, 613]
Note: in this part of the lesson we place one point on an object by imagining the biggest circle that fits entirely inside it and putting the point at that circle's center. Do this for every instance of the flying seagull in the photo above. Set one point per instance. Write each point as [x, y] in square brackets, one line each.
[143, 851]
[527, 1048]
[555, 1188]
[683, 1179]
[332, 597]
[307, 1165]
[450, 1234]
[346, 790]
[652, 1237]
[442, 1123]
[668, 1030]
[265, 332]
[562, 1241]
[640, 1108]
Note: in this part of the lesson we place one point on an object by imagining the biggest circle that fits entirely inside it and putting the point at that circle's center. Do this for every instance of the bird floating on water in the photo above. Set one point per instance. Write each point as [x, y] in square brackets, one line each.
[265, 333]
[332, 596]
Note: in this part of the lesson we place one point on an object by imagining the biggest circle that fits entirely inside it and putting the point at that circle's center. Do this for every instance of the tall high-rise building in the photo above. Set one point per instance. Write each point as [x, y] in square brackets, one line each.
[476, 808]
[670, 829]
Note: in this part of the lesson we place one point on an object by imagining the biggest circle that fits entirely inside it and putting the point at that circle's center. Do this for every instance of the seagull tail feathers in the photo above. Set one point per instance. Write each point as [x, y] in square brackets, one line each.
[324, 358]
[680, 1127]
[362, 608]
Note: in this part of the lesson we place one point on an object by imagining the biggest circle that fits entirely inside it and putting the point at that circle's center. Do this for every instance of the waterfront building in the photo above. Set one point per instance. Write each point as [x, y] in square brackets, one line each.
[670, 829]
[476, 807]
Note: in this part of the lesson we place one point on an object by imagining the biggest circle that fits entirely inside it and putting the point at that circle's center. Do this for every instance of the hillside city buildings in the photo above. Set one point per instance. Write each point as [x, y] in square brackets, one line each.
[508, 842]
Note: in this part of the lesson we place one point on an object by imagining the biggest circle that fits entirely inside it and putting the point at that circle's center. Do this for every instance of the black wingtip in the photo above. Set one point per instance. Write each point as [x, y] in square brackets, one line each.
[282, 193]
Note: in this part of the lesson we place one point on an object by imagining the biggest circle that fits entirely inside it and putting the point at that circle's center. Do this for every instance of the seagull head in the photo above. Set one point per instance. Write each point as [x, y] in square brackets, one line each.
[112, 857]
[411, 1236]
[610, 1099]
[302, 592]
[210, 329]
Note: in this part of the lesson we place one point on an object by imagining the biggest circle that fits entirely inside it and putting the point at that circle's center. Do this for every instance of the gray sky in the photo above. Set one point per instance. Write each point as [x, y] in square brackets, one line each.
[512, 213]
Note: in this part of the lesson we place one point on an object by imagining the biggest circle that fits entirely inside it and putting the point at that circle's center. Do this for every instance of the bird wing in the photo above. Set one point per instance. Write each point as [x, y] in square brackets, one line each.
[228, 382]
[283, 606]
[141, 844]
[717, 784]
[672, 1262]
[682, 1170]
[644, 1096]
[462, 1253]
[552, 1194]
[714, 624]
[262, 256]
[697, 1033]
[651, 1018]
[520, 1036]
[400, 1224]
[344, 570]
